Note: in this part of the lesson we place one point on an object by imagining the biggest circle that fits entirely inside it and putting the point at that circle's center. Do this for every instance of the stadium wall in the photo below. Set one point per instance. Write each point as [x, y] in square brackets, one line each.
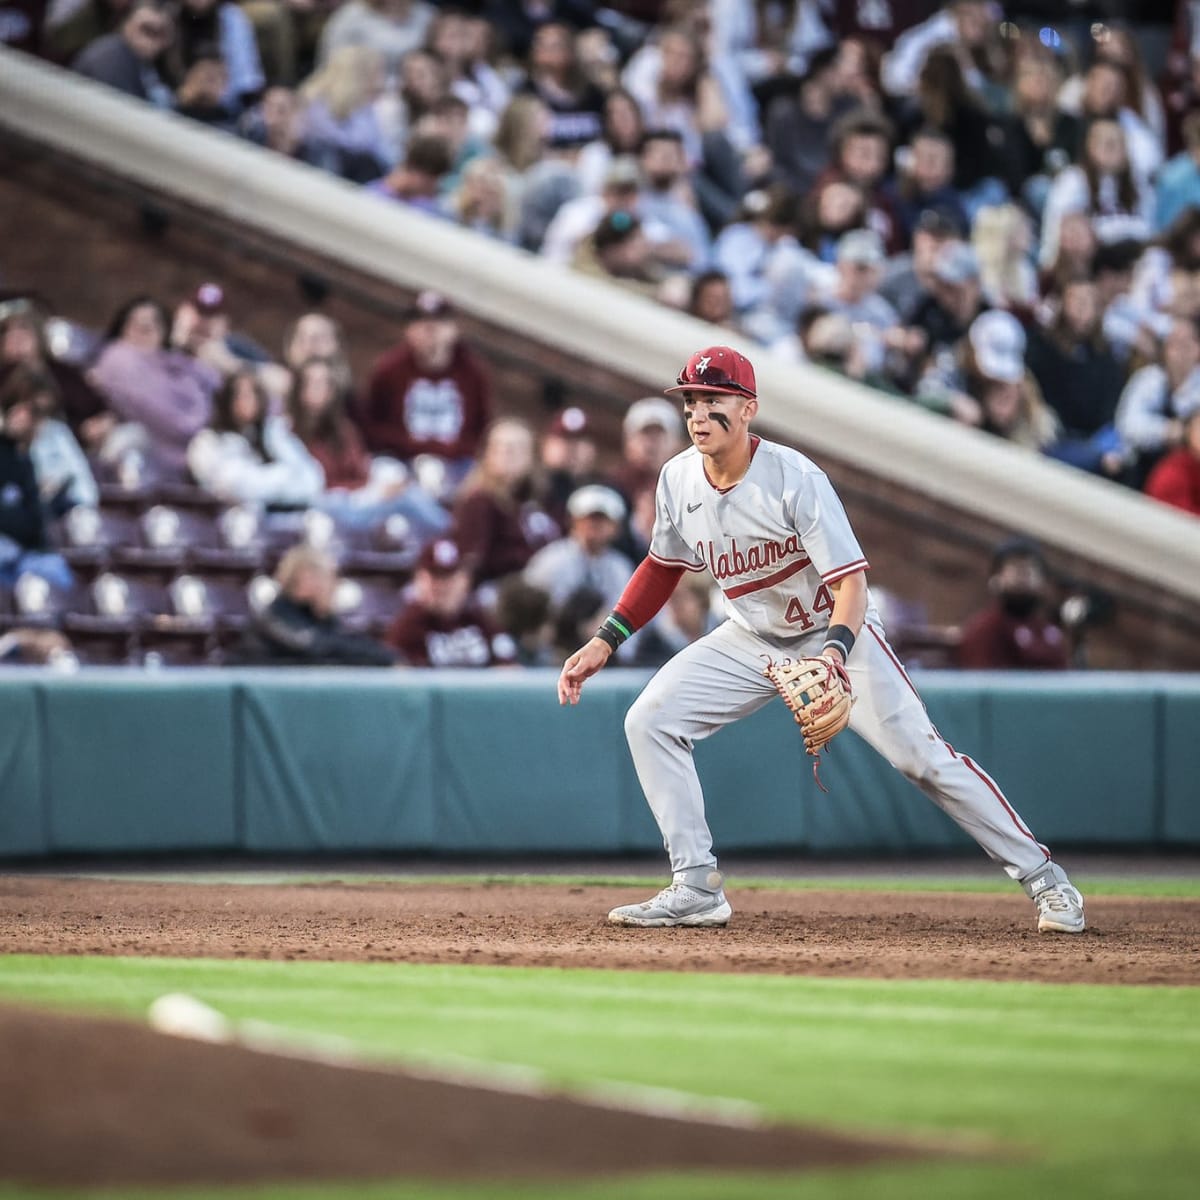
[308, 763]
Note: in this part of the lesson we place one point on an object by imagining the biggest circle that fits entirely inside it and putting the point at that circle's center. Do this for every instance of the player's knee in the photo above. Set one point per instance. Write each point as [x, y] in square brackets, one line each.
[644, 720]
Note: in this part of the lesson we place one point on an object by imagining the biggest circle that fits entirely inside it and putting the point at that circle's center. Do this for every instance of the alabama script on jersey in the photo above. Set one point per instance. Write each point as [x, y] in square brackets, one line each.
[774, 542]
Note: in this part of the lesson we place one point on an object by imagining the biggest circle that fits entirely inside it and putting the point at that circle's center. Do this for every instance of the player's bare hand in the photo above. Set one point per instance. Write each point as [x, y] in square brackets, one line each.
[581, 666]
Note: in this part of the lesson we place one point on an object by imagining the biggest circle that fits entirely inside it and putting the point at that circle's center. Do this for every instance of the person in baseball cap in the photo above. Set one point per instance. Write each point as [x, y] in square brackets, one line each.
[716, 369]
[429, 306]
[596, 500]
[998, 343]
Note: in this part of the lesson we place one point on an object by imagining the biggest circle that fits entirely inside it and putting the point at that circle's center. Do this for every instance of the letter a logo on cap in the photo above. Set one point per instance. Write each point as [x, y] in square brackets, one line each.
[702, 364]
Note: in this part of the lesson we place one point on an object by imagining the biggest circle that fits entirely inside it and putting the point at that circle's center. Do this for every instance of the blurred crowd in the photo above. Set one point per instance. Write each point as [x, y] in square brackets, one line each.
[994, 218]
[975, 211]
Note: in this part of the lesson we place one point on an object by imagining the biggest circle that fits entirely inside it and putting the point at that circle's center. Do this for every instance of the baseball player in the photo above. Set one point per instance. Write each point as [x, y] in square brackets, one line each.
[766, 523]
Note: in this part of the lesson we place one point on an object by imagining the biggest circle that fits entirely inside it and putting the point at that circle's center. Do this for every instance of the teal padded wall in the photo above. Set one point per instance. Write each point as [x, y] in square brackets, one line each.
[22, 803]
[139, 763]
[1180, 792]
[1072, 758]
[489, 763]
[335, 765]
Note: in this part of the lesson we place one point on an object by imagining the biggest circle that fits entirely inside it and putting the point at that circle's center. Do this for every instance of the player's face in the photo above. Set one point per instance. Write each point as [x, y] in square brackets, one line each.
[716, 421]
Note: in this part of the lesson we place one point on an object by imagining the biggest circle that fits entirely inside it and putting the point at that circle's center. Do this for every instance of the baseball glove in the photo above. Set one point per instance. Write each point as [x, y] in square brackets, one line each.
[818, 692]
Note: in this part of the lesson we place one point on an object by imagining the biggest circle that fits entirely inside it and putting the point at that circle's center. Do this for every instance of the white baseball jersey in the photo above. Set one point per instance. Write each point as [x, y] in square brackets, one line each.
[774, 542]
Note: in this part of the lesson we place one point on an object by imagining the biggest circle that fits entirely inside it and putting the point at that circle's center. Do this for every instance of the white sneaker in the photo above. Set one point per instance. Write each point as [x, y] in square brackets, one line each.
[1060, 910]
[676, 904]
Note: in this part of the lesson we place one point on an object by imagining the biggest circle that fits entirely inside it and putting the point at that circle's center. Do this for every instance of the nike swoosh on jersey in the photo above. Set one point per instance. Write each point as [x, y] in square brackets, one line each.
[692, 507]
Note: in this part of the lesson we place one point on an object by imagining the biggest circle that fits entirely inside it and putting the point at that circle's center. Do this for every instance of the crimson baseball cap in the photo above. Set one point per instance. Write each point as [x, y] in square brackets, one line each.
[570, 423]
[441, 557]
[717, 369]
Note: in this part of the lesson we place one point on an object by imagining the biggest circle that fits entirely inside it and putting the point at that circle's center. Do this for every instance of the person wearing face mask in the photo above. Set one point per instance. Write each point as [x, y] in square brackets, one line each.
[1014, 632]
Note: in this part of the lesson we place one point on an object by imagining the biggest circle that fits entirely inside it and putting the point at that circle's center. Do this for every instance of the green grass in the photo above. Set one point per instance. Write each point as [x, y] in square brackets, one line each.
[993, 882]
[1094, 1089]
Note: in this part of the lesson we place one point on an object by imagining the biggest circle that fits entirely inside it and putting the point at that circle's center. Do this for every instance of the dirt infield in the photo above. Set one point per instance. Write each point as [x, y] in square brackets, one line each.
[897, 935]
[142, 1108]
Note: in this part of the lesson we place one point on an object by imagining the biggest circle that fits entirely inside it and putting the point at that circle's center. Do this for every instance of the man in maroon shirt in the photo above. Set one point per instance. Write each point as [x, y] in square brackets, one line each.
[1014, 631]
[441, 626]
[430, 396]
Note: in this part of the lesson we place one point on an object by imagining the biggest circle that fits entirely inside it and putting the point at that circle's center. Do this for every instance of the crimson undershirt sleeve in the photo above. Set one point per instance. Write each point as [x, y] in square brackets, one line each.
[648, 589]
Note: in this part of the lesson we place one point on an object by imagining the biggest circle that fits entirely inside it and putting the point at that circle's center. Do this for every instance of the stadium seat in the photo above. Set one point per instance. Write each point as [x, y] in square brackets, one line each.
[388, 548]
[367, 604]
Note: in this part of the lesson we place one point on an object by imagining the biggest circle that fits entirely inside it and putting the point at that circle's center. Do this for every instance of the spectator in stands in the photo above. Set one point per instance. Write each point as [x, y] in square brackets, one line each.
[926, 183]
[797, 128]
[430, 397]
[1041, 138]
[287, 33]
[946, 101]
[1157, 398]
[672, 83]
[828, 212]
[69, 31]
[127, 59]
[667, 197]
[315, 335]
[964, 23]
[201, 326]
[483, 201]
[585, 556]
[574, 103]
[1175, 479]
[499, 522]
[955, 301]
[300, 628]
[998, 378]
[340, 116]
[908, 279]
[392, 27]
[1105, 187]
[1103, 98]
[166, 394]
[523, 612]
[63, 474]
[711, 299]
[448, 119]
[23, 543]
[247, 456]
[579, 218]
[1014, 631]
[621, 137]
[620, 252]
[749, 249]
[207, 25]
[1004, 242]
[1178, 186]
[687, 617]
[652, 433]
[360, 491]
[461, 43]
[37, 647]
[417, 181]
[854, 290]
[1076, 254]
[567, 454]
[1165, 276]
[442, 625]
[862, 156]
[23, 341]
[1081, 380]
[277, 123]
[201, 94]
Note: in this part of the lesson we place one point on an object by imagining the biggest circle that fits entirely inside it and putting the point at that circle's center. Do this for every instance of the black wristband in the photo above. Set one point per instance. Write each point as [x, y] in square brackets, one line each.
[614, 631]
[841, 637]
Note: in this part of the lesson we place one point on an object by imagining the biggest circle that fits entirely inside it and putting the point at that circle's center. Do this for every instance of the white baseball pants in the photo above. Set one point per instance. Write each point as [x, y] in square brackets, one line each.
[719, 679]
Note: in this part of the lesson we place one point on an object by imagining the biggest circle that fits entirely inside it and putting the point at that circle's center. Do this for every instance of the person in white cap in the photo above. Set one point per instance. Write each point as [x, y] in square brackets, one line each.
[652, 433]
[585, 557]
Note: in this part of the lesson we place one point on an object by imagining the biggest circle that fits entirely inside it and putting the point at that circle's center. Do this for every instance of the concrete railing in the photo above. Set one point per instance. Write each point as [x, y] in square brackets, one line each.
[597, 323]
